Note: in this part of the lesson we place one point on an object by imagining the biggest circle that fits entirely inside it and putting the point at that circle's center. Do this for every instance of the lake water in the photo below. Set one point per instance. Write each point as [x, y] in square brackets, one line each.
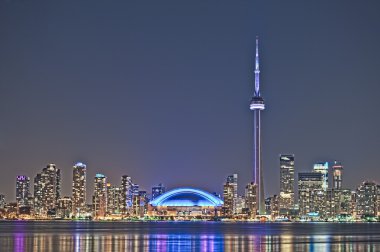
[187, 236]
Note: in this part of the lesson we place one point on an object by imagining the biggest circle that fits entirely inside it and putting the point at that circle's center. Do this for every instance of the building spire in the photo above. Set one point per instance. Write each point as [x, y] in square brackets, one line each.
[257, 70]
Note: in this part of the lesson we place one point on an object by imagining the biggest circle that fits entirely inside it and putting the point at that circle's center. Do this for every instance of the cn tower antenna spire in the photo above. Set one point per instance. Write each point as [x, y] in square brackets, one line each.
[257, 70]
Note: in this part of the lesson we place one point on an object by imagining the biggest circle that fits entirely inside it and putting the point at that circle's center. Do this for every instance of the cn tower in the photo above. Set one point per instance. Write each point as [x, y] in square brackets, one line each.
[257, 105]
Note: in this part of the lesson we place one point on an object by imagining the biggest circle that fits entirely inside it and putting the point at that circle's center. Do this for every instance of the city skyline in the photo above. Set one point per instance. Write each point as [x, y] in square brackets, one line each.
[122, 100]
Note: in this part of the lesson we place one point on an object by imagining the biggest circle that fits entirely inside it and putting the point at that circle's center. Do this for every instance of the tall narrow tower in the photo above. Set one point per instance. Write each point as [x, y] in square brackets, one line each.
[257, 104]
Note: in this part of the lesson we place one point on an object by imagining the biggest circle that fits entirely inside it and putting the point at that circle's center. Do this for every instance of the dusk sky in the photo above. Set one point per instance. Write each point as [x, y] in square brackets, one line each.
[160, 90]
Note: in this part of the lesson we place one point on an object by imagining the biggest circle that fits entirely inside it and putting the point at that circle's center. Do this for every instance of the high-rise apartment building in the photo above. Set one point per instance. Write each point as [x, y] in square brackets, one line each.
[126, 194]
[251, 199]
[22, 191]
[366, 199]
[79, 189]
[113, 199]
[99, 200]
[230, 195]
[47, 190]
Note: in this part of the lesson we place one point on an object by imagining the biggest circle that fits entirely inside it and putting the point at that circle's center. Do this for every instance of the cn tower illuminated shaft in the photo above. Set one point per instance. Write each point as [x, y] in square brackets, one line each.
[257, 104]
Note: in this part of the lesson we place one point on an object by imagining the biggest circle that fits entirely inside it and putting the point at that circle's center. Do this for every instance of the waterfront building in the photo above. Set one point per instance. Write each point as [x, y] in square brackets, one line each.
[185, 203]
[2, 201]
[22, 191]
[47, 190]
[240, 205]
[135, 189]
[366, 199]
[230, 195]
[286, 198]
[311, 196]
[99, 200]
[228, 199]
[157, 190]
[251, 200]
[378, 200]
[64, 209]
[332, 203]
[144, 202]
[323, 168]
[38, 203]
[257, 105]
[272, 206]
[126, 194]
[345, 203]
[337, 170]
[113, 199]
[140, 201]
[79, 189]
[232, 180]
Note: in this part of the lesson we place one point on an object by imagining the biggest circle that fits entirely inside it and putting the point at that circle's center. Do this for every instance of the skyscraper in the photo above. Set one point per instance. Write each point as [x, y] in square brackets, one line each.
[311, 196]
[126, 194]
[99, 199]
[366, 199]
[257, 104]
[2, 201]
[79, 189]
[157, 190]
[22, 191]
[113, 199]
[228, 199]
[47, 190]
[251, 199]
[323, 168]
[337, 169]
[233, 180]
[286, 199]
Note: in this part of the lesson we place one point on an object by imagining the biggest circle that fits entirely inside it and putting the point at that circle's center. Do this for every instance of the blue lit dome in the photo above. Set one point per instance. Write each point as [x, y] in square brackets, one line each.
[187, 197]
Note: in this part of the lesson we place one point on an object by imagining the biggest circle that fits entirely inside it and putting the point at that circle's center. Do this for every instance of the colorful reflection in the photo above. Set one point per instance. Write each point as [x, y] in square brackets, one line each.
[184, 237]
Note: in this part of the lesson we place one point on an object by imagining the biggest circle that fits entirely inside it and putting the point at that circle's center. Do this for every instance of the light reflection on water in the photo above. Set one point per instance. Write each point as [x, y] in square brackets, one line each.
[60, 236]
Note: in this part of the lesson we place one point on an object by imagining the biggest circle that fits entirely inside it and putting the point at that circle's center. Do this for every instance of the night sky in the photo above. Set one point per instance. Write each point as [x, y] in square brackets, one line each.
[160, 90]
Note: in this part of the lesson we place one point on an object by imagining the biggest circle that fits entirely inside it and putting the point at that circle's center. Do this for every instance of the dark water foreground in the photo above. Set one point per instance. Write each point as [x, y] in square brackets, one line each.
[187, 236]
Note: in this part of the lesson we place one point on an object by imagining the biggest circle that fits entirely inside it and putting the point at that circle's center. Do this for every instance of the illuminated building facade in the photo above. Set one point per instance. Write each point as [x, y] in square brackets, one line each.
[79, 189]
[257, 105]
[99, 200]
[47, 190]
[2, 201]
[230, 195]
[126, 194]
[337, 170]
[113, 199]
[366, 199]
[64, 209]
[185, 203]
[22, 191]
[286, 199]
[157, 190]
[251, 200]
[323, 168]
[311, 195]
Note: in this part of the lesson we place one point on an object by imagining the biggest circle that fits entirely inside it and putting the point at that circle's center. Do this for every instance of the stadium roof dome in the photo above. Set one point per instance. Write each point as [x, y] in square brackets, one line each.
[187, 197]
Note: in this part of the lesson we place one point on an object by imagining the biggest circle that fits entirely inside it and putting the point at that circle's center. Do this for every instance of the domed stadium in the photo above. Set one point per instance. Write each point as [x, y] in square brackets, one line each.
[185, 202]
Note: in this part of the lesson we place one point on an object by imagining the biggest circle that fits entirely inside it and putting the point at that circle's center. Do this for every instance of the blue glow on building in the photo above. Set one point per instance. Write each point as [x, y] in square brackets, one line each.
[187, 197]
[80, 164]
[99, 175]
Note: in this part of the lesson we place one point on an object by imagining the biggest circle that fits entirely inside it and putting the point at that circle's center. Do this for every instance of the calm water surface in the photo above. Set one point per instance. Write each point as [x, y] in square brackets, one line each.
[187, 236]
